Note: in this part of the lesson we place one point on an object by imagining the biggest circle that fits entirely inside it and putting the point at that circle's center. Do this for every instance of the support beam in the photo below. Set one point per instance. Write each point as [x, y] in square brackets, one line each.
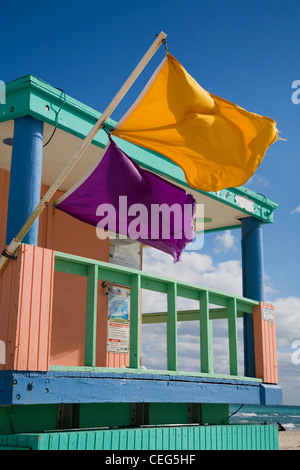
[25, 177]
[172, 327]
[233, 337]
[127, 386]
[91, 316]
[206, 346]
[253, 283]
[135, 322]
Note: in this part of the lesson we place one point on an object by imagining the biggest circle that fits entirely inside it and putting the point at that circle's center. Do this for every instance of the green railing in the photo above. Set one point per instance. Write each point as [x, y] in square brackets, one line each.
[226, 306]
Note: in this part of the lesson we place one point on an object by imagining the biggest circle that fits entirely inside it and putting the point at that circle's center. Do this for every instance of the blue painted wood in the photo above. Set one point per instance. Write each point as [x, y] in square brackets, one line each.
[25, 177]
[253, 282]
[5, 388]
[270, 395]
[88, 387]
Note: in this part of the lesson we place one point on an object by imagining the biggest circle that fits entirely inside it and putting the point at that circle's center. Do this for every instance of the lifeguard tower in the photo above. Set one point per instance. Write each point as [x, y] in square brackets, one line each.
[71, 375]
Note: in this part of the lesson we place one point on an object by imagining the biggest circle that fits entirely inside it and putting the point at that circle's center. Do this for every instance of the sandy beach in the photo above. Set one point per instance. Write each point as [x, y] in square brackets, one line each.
[289, 440]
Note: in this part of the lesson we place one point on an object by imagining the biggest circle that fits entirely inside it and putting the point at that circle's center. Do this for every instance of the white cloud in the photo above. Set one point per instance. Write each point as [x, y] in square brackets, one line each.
[287, 318]
[224, 242]
[287, 312]
[200, 269]
[259, 181]
[297, 209]
[196, 268]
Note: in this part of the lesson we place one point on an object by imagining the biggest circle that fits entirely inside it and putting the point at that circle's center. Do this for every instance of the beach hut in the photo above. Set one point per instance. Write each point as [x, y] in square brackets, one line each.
[71, 314]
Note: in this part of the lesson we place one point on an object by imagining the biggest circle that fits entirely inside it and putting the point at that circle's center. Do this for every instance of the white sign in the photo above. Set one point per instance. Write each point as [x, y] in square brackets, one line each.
[118, 320]
[268, 314]
[125, 253]
[118, 337]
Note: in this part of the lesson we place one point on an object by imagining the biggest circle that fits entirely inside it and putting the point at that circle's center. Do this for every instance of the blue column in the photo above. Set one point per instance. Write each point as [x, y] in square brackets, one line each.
[25, 177]
[253, 282]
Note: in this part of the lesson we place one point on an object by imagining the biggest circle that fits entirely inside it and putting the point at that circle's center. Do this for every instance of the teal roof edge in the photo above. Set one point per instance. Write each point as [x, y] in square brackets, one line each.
[32, 96]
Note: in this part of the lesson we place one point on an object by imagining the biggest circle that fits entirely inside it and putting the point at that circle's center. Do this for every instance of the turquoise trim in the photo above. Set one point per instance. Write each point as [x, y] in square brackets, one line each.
[31, 96]
[159, 438]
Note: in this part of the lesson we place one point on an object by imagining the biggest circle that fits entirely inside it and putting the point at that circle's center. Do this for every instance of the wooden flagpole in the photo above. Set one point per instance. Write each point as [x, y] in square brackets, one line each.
[15, 243]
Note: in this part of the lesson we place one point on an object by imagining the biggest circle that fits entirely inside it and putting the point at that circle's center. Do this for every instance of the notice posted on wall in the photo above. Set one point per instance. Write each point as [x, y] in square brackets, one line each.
[118, 320]
[125, 252]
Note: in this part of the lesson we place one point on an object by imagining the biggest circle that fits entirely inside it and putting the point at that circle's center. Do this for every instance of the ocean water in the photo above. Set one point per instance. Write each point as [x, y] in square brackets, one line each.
[287, 416]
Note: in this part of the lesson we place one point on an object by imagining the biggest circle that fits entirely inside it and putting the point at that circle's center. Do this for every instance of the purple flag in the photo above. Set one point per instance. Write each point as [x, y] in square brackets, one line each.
[119, 196]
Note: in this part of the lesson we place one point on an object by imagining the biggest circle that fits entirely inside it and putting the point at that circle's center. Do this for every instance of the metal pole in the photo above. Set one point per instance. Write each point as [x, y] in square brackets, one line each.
[14, 244]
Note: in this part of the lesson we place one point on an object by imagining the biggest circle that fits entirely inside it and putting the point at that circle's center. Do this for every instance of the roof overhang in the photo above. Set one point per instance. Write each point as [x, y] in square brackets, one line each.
[73, 120]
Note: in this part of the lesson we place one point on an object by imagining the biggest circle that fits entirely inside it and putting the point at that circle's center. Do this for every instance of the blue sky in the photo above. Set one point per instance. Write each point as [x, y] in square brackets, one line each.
[244, 51]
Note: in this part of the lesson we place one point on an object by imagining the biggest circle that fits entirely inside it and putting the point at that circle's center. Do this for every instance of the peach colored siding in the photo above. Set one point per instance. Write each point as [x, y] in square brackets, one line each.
[65, 330]
[9, 283]
[265, 343]
[26, 309]
[4, 190]
[117, 360]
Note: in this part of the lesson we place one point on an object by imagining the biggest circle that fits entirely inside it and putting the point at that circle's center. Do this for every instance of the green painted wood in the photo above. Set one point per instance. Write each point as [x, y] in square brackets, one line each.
[154, 285]
[168, 413]
[243, 306]
[218, 437]
[91, 316]
[96, 415]
[233, 337]
[14, 448]
[217, 298]
[69, 267]
[206, 355]
[172, 327]
[214, 413]
[229, 306]
[135, 321]
[77, 265]
[23, 418]
[114, 277]
[187, 291]
[130, 370]
[188, 315]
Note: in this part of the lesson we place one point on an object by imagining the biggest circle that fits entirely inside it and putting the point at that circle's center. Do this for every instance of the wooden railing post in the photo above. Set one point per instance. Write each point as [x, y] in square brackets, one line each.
[228, 307]
[91, 316]
[206, 347]
[232, 337]
[135, 321]
[172, 327]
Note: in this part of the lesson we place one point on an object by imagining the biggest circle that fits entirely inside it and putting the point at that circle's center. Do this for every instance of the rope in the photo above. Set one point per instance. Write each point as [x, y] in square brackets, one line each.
[7, 255]
[57, 114]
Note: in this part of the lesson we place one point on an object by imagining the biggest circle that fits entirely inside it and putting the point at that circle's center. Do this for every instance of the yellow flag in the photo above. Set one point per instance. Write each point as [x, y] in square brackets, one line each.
[216, 143]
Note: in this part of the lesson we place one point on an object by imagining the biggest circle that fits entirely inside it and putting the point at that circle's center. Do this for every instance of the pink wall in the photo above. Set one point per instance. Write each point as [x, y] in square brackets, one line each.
[60, 232]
